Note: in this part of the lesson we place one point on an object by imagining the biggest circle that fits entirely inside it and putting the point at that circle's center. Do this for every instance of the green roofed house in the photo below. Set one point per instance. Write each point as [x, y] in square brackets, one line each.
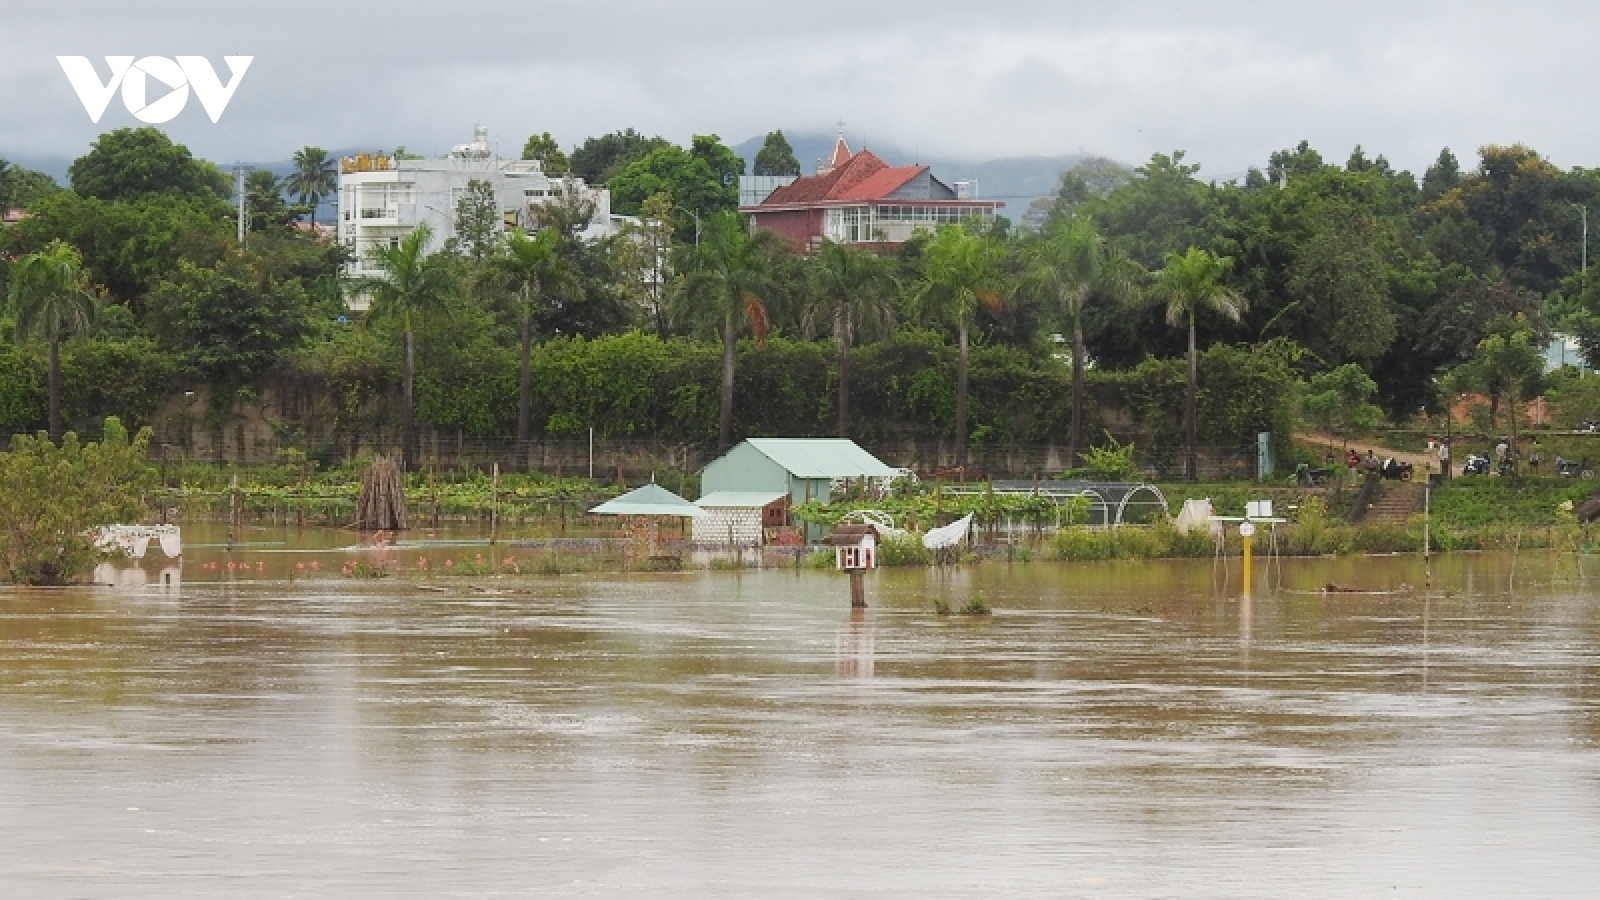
[750, 488]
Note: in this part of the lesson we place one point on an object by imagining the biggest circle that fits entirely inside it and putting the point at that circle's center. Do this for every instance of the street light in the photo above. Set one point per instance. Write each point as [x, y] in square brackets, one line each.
[696, 215]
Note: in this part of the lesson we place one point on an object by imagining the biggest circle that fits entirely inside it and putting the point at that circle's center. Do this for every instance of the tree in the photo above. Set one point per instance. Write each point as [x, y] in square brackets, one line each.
[727, 278]
[51, 298]
[477, 220]
[962, 275]
[55, 495]
[534, 271]
[412, 285]
[264, 204]
[1340, 309]
[544, 148]
[776, 157]
[314, 177]
[641, 261]
[1508, 366]
[853, 290]
[1188, 284]
[132, 162]
[702, 180]
[599, 158]
[230, 322]
[1070, 263]
[20, 187]
[1340, 400]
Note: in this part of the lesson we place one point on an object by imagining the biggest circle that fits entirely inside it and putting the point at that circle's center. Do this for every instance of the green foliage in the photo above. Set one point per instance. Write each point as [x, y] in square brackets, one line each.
[598, 159]
[131, 162]
[228, 323]
[906, 551]
[55, 494]
[776, 156]
[477, 220]
[702, 179]
[1110, 461]
[1079, 544]
[315, 176]
[20, 186]
[544, 148]
[1340, 400]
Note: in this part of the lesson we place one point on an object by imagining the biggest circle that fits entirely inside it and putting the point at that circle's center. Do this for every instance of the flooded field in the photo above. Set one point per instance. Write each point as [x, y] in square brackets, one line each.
[1114, 729]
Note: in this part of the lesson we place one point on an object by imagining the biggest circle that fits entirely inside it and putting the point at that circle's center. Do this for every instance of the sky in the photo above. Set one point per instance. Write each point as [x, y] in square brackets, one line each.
[1227, 82]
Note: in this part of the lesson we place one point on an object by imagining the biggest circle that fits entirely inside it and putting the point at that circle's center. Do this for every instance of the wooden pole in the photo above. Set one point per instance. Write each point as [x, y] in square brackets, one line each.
[858, 589]
[494, 504]
[233, 510]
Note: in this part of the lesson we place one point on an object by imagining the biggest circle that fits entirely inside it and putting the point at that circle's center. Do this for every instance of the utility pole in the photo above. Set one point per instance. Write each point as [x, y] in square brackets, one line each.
[1585, 251]
[243, 203]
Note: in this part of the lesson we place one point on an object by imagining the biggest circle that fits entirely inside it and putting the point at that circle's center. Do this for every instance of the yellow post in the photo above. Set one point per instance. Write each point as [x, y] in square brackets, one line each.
[1247, 533]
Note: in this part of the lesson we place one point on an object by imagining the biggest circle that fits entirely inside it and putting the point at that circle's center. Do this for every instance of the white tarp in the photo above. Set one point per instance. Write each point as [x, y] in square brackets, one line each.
[948, 535]
[1196, 513]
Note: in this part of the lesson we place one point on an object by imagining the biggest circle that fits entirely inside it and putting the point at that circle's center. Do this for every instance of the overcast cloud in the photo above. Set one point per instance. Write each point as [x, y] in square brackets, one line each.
[1228, 82]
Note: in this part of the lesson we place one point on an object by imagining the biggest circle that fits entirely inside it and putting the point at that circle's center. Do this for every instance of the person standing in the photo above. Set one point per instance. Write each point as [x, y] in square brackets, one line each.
[1444, 460]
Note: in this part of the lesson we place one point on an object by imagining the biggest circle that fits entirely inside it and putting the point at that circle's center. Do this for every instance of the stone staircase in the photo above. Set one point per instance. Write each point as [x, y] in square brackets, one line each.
[1394, 504]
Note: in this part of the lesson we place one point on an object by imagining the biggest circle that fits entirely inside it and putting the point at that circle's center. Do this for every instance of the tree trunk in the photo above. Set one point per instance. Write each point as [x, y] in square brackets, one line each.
[55, 388]
[729, 347]
[841, 333]
[525, 379]
[1191, 469]
[407, 397]
[1076, 441]
[961, 401]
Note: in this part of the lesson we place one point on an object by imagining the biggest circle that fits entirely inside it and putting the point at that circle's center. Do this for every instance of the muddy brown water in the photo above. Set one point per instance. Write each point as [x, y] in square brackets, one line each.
[1114, 729]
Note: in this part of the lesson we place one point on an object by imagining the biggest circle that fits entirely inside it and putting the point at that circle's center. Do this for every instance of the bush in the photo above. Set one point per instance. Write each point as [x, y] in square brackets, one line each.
[906, 551]
[54, 495]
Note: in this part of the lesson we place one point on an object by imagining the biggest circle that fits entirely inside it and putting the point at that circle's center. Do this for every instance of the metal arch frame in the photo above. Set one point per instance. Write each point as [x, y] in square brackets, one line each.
[1123, 505]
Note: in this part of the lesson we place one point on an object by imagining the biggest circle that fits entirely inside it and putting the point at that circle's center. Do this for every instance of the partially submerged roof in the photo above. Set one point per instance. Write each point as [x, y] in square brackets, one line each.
[822, 457]
[650, 500]
[739, 499]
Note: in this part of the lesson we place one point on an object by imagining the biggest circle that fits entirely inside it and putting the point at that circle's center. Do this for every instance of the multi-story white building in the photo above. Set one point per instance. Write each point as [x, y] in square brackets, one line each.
[382, 199]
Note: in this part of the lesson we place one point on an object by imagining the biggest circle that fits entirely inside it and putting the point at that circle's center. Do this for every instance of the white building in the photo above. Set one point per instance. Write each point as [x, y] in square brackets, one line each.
[382, 199]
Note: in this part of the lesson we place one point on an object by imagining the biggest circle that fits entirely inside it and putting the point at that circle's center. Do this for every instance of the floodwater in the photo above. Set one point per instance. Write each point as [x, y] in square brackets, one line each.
[1114, 729]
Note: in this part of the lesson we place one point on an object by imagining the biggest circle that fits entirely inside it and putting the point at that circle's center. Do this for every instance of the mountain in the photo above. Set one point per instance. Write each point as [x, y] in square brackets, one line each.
[1014, 180]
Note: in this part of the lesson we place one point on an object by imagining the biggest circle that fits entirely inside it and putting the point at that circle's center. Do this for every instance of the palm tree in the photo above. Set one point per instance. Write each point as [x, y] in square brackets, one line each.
[852, 289]
[412, 283]
[963, 273]
[535, 271]
[313, 178]
[51, 297]
[1069, 264]
[727, 277]
[1187, 284]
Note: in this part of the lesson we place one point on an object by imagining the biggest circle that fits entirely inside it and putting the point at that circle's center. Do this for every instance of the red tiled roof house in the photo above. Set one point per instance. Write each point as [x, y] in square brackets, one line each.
[860, 199]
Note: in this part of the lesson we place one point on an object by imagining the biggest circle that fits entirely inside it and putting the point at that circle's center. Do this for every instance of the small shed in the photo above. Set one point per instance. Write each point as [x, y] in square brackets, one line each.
[649, 500]
[855, 547]
[803, 468]
[739, 518]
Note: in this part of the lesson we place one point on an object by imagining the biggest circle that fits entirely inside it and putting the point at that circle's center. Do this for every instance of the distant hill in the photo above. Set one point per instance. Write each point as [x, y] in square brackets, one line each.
[1014, 180]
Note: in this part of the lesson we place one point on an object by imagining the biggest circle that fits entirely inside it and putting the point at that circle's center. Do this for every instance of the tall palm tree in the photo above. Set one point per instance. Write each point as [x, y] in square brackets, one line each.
[314, 177]
[1071, 263]
[1187, 284]
[962, 274]
[727, 278]
[51, 298]
[852, 289]
[413, 283]
[537, 274]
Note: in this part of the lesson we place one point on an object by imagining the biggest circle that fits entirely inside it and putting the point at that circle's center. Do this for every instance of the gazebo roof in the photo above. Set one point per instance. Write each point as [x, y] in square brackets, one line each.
[650, 500]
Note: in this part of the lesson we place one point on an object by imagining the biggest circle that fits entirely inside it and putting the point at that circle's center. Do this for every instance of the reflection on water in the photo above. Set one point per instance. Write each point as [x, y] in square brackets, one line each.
[1114, 729]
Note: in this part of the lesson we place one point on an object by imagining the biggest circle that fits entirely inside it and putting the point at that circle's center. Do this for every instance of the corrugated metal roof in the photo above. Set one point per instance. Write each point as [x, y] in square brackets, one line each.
[650, 500]
[738, 499]
[822, 457]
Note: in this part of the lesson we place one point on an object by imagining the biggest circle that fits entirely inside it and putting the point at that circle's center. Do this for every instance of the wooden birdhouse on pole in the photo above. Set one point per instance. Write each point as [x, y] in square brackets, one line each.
[855, 550]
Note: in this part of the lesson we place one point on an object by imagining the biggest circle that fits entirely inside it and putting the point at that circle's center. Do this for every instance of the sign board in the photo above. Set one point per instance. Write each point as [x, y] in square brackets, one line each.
[1246, 529]
[1258, 509]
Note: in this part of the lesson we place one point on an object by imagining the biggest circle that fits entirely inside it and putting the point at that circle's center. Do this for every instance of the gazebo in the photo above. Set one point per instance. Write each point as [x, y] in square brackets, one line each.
[651, 502]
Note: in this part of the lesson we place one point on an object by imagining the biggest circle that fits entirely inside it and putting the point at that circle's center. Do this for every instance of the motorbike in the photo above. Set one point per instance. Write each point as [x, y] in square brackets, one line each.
[1307, 476]
[1395, 471]
[1476, 464]
[1566, 468]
